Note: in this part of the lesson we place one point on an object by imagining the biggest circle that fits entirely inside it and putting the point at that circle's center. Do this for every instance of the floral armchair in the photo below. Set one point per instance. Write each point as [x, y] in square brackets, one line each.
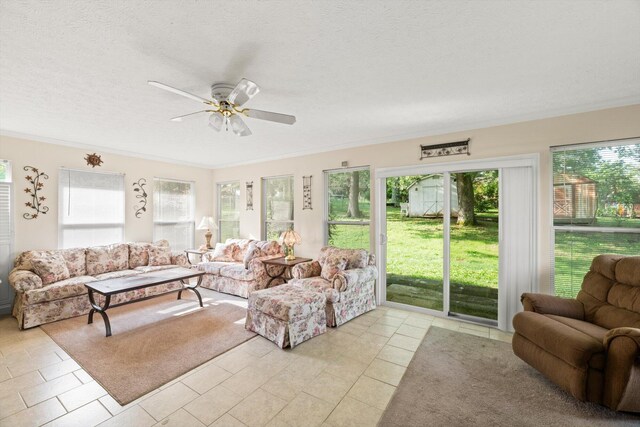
[347, 277]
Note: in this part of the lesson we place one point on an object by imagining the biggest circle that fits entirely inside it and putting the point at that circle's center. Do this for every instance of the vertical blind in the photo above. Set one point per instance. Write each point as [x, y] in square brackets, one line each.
[596, 207]
[6, 233]
[91, 208]
[174, 212]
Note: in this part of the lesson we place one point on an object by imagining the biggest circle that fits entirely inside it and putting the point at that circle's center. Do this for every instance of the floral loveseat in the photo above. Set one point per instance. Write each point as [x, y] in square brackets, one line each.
[235, 267]
[49, 285]
[346, 277]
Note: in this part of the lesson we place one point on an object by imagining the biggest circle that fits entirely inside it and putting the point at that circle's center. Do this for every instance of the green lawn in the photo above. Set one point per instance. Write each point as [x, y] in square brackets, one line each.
[414, 260]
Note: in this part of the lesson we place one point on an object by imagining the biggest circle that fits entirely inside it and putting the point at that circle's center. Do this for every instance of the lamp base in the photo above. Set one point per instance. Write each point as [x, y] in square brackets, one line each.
[208, 236]
[290, 256]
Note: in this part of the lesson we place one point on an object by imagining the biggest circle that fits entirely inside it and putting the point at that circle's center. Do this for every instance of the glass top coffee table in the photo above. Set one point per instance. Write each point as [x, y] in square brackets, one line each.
[119, 285]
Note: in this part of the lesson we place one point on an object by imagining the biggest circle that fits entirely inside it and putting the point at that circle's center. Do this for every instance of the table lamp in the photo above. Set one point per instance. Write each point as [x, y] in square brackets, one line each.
[207, 223]
[290, 238]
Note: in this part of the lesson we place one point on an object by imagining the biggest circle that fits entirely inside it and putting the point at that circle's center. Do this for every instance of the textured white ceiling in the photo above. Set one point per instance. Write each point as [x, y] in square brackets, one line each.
[353, 73]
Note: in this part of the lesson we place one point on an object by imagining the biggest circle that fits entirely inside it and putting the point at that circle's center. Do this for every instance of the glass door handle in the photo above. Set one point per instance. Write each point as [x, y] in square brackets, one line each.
[383, 239]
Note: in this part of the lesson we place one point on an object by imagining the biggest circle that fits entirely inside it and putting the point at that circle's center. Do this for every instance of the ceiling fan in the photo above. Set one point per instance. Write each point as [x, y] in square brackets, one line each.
[225, 106]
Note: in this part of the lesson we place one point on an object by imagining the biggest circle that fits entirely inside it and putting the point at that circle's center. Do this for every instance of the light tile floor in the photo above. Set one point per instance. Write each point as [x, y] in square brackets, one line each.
[344, 377]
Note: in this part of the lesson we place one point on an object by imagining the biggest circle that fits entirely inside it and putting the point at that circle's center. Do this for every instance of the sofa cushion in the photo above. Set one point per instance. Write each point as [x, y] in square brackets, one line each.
[237, 272]
[287, 302]
[213, 267]
[242, 245]
[159, 255]
[116, 274]
[356, 258]
[74, 257]
[138, 254]
[224, 252]
[252, 252]
[332, 265]
[51, 268]
[318, 284]
[269, 247]
[149, 269]
[567, 343]
[63, 289]
[104, 259]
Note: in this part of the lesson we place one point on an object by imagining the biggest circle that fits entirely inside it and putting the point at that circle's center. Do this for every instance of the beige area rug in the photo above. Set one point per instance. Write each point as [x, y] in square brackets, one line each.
[457, 379]
[153, 342]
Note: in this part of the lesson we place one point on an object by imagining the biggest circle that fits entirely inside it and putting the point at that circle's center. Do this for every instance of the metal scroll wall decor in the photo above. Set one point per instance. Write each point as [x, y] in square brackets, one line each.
[249, 196]
[141, 195]
[37, 201]
[306, 192]
[448, 149]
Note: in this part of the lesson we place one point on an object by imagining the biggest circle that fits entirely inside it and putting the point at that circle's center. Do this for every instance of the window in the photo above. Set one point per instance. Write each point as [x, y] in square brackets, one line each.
[173, 212]
[277, 206]
[596, 207]
[228, 211]
[348, 208]
[6, 225]
[91, 208]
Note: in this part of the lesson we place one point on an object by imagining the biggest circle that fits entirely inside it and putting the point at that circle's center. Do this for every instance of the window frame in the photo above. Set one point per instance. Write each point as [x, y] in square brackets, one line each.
[264, 202]
[62, 227]
[327, 223]
[219, 208]
[192, 198]
[572, 228]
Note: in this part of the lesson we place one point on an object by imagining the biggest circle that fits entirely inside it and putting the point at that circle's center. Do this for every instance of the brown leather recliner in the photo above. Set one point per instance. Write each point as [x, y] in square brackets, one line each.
[589, 346]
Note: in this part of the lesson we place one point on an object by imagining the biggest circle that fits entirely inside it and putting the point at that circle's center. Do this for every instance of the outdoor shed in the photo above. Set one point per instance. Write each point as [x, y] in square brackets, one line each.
[574, 199]
[426, 197]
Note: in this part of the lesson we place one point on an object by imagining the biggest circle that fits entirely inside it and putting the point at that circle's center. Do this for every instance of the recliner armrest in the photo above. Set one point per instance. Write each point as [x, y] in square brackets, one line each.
[622, 373]
[549, 304]
[631, 333]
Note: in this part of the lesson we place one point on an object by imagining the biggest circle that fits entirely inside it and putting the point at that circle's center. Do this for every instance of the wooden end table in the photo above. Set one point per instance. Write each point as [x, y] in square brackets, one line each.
[109, 287]
[285, 267]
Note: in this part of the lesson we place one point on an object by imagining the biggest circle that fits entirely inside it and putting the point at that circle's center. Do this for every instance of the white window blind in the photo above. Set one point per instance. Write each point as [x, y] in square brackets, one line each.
[91, 208]
[277, 206]
[228, 211]
[596, 207]
[174, 212]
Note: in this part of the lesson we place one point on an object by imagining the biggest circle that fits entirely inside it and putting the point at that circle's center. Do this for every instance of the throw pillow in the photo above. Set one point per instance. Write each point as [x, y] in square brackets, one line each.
[51, 268]
[224, 252]
[332, 266]
[252, 252]
[105, 259]
[159, 255]
[138, 254]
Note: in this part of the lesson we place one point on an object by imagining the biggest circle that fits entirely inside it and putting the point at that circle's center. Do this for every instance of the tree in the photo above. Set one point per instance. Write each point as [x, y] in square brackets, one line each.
[466, 200]
[354, 192]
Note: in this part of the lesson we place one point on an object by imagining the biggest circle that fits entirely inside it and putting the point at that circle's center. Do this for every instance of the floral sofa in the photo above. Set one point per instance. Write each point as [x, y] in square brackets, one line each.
[235, 267]
[49, 285]
[346, 277]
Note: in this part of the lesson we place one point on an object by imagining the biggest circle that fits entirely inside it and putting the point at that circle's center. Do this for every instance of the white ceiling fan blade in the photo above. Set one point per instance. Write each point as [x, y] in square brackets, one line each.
[216, 120]
[244, 91]
[179, 118]
[238, 126]
[182, 93]
[272, 117]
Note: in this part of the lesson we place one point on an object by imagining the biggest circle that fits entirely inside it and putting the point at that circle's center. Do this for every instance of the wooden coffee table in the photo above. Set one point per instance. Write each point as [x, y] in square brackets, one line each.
[286, 267]
[109, 287]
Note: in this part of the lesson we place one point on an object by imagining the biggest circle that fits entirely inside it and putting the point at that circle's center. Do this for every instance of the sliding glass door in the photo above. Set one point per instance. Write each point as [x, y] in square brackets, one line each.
[441, 244]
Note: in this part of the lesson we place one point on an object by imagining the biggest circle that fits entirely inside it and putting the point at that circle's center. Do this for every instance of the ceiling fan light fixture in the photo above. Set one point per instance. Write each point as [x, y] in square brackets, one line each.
[238, 126]
[216, 121]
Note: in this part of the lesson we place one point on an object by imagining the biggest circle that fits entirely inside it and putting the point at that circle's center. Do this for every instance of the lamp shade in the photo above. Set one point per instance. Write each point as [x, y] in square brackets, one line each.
[290, 238]
[207, 223]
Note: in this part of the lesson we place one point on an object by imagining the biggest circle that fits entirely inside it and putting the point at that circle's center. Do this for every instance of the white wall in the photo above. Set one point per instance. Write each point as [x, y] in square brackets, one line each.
[519, 138]
[42, 233]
